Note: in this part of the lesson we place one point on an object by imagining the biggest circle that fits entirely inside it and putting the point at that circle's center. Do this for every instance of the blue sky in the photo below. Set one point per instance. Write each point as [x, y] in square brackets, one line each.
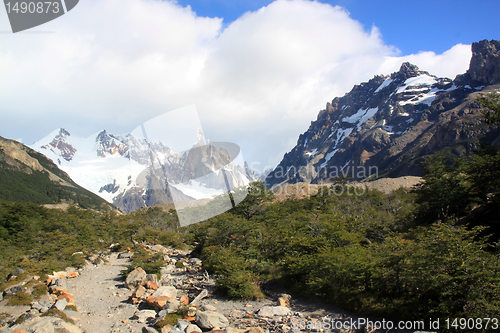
[410, 25]
[258, 72]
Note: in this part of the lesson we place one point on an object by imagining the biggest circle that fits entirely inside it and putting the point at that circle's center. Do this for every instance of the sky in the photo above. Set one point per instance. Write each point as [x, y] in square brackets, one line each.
[258, 72]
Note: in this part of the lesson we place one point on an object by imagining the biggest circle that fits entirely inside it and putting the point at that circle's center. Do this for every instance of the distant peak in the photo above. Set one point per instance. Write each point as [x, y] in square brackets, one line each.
[484, 64]
[407, 67]
[63, 132]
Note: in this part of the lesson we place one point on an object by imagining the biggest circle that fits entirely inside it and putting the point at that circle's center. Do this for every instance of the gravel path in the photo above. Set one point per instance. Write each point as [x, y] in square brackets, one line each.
[100, 297]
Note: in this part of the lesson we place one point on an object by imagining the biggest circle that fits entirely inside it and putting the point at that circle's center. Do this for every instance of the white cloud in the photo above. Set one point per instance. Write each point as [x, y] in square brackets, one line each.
[259, 82]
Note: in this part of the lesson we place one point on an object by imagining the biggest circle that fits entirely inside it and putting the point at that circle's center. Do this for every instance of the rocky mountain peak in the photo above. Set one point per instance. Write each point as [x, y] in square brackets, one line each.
[60, 143]
[391, 123]
[485, 62]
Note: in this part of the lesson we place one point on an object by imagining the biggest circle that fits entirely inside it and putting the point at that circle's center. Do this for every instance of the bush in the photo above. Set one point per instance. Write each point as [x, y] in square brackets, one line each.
[58, 314]
[21, 298]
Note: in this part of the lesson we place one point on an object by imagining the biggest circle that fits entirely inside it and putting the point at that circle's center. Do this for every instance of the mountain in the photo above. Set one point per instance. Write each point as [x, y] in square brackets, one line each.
[119, 168]
[386, 126]
[28, 176]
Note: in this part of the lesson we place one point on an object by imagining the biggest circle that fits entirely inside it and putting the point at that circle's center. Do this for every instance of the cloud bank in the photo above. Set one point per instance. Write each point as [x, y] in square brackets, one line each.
[113, 64]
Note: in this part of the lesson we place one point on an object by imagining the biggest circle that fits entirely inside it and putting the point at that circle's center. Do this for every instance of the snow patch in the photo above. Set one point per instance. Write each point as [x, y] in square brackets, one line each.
[383, 85]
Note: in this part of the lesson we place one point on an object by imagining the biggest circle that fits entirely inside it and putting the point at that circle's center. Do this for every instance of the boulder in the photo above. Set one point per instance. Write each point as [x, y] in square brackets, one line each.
[255, 330]
[60, 304]
[125, 255]
[284, 300]
[52, 324]
[273, 311]
[152, 285]
[136, 278]
[192, 329]
[143, 315]
[172, 306]
[157, 302]
[152, 277]
[209, 320]
[139, 292]
[168, 291]
[146, 329]
[209, 307]
[159, 249]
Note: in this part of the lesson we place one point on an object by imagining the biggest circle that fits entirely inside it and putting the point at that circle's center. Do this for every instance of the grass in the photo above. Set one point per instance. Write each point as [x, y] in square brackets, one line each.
[170, 319]
[58, 314]
[39, 291]
[21, 298]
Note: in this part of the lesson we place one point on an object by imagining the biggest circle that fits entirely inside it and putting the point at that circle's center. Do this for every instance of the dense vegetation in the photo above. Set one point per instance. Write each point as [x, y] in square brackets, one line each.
[41, 240]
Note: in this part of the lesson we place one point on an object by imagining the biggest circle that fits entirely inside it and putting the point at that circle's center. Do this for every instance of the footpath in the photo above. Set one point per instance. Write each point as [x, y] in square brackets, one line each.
[97, 299]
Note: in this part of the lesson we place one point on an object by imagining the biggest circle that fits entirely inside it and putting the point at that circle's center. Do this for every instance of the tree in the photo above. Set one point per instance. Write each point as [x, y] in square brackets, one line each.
[492, 102]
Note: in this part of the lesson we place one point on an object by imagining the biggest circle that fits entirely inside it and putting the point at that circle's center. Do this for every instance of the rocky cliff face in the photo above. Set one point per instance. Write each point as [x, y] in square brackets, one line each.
[386, 126]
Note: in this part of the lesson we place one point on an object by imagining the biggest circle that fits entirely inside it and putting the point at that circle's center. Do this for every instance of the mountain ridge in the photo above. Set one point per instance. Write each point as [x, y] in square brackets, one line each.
[132, 173]
[386, 126]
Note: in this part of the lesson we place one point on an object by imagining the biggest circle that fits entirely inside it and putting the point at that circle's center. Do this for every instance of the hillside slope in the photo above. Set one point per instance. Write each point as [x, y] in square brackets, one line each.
[28, 176]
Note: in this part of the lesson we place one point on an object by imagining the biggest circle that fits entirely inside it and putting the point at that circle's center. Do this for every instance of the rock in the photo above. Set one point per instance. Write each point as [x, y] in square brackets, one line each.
[72, 275]
[184, 300]
[19, 331]
[70, 269]
[152, 285]
[209, 320]
[152, 277]
[146, 329]
[139, 292]
[209, 307]
[172, 306]
[157, 302]
[196, 261]
[15, 289]
[159, 249]
[168, 291]
[136, 278]
[192, 329]
[201, 295]
[60, 283]
[167, 270]
[284, 300]
[60, 304]
[255, 330]
[165, 280]
[51, 324]
[69, 298]
[167, 329]
[192, 311]
[18, 271]
[182, 325]
[125, 255]
[272, 311]
[60, 275]
[143, 315]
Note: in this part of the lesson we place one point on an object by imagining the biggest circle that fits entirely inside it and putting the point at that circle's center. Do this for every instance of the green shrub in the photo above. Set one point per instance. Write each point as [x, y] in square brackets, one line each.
[58, 314]
[39, 291]
[20, 298]
[170, 319]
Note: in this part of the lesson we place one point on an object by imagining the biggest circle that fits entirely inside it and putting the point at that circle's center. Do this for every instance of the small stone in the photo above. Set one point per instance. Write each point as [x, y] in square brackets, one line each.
[184, 300]
[60, 304]
[209, 307]
[136, 278]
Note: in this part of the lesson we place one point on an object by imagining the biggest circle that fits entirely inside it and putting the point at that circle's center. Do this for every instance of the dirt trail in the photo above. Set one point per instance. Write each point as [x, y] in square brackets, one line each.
[100, 297]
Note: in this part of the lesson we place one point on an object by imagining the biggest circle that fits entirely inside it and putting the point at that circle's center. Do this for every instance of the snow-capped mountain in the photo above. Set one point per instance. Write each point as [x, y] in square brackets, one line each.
[132, 173]
[387, 125]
